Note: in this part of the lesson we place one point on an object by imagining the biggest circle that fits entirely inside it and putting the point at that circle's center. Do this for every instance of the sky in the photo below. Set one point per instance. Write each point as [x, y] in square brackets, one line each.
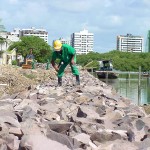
[105, 18]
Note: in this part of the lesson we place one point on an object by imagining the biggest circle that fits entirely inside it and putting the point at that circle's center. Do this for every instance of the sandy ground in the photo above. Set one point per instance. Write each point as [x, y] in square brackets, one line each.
[15, 79]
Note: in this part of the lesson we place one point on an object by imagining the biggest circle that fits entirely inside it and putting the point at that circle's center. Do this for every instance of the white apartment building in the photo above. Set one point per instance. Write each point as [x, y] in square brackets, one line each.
[9, 39]
[65, 41]
[82, 41]
[7, 56]
[42, 33]
[130, 43]
[15, 32]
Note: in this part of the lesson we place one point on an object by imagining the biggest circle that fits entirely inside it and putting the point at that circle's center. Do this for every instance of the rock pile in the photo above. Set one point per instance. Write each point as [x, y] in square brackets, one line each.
[90, 116]
[15, 79]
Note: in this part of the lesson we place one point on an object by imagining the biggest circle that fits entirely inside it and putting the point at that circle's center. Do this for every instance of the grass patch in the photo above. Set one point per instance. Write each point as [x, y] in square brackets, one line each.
[30, 76]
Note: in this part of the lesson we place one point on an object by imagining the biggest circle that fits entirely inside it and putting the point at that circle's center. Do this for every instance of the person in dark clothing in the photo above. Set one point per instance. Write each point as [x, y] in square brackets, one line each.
[30, 55]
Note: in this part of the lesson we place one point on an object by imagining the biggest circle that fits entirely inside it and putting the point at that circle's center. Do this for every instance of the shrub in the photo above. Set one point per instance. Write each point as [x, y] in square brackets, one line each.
[14, 62]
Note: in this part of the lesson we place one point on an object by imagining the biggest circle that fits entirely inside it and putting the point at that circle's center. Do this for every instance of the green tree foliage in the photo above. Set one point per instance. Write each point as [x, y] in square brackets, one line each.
[2, 41]
[1, 52]
[123, 61]
[41, 50]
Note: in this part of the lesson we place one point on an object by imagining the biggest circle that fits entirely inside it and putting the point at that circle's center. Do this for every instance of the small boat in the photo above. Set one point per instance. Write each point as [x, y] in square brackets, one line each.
[145, 74]
[106, 70]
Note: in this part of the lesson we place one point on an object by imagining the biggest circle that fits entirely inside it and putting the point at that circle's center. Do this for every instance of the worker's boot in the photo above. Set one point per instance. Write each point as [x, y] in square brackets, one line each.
[77, 80]
[59, 81]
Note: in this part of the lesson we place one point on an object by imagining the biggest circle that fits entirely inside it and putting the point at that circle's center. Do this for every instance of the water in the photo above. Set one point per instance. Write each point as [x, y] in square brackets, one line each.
[129, 88]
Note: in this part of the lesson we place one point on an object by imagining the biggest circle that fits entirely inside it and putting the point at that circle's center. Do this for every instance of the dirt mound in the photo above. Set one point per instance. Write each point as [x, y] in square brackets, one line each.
[15, 79]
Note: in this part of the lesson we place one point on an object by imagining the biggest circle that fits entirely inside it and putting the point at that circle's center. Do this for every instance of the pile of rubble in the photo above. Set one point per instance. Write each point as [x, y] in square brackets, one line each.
[90, 116]
[15, 79]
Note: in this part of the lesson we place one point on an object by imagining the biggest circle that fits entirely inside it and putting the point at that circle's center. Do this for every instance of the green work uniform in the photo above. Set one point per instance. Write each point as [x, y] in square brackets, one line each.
[65, 58]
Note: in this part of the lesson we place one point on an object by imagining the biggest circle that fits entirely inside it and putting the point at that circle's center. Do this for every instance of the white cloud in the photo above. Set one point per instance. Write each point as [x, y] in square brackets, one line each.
[147, 2]
[13, 1]
[105, 18]
[71, 6]
[107, 3]
[115, 20]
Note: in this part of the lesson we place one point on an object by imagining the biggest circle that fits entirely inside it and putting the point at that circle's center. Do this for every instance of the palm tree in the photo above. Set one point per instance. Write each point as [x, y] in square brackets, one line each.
[5, 41]
[2, 41]
[1, 52]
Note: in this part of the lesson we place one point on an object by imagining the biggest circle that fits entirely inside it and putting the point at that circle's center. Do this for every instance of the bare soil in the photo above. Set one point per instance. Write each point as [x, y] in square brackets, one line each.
[14, 79]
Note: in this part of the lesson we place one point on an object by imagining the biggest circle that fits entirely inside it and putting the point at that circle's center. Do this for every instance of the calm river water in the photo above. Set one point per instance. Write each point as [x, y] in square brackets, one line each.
[129, 88]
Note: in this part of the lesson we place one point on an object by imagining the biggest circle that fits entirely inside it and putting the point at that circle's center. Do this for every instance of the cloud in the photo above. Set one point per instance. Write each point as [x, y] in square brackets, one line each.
[146, 2]
[105, 18]
[13, 1]
[71, 6]
[115, 20]
[107, 3]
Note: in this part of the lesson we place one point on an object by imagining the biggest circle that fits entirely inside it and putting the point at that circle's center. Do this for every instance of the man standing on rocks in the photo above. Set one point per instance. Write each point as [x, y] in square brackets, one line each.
[67, 55]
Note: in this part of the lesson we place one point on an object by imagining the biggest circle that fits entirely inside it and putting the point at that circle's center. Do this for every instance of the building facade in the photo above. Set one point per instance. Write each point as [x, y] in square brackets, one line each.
[82, 41]
[65, 41]
[148, 42]
[8, 40]
[42, 33]
[15, 32]
[130, 43]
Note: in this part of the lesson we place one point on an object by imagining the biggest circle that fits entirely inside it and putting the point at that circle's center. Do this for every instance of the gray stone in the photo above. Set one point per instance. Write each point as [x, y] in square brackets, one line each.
[80, 113]
[134, 110]
[15, 131]
[30, 127]
[60, 127]
[51, 116]
[114, 115]
[97, 101]
[101, 110]
[139, 124]
[63, 139]
[25, 102]
[87, 111]
[4, 112]
[28, 112]
[86, 125]
[83, 138]
[7, 106]
[144, 144]
[51, 107]
[43, 91]
[81, 99]
[12, 142]
[23, 95]
[92, 110]
[10, 120]
[62, 114]
[40, 142]
[104, 136]
[117, 145]
[33, 96]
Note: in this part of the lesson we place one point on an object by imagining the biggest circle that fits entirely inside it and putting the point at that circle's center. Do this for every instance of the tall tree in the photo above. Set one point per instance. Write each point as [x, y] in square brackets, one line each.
[41, 50]
[2, 41]
[123, 61]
